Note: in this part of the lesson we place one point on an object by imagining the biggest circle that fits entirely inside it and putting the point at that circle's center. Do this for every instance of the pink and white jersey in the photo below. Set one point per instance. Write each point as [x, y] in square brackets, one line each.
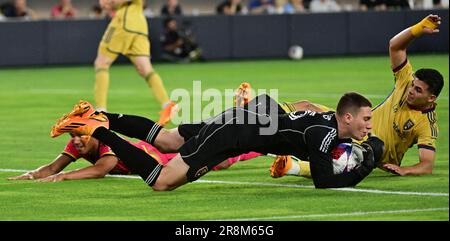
[103, 150]
[120, 168]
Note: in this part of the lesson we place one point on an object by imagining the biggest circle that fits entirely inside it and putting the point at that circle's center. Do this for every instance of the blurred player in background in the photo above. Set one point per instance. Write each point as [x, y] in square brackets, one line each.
[103, 161]
[127, 34]
[406, 117]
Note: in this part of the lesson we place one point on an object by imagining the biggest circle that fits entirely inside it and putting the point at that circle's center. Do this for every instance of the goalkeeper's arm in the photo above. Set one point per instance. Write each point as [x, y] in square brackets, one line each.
[371, 152]
[399, 43]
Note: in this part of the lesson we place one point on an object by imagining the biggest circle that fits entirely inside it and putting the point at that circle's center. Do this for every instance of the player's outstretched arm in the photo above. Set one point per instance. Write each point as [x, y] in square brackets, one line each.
[47, 170]
[425, 165]
[399, 43]
[98, 170]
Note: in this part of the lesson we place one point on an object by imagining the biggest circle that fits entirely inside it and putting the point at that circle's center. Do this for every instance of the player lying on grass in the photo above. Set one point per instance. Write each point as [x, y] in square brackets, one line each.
[405, 118]
[313, 135]
[103, 161]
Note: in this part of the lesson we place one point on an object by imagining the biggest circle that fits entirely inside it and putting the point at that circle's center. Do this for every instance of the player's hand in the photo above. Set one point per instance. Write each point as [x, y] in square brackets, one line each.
[53, 178]
[436, 20]
[25, 176]
[397, 170]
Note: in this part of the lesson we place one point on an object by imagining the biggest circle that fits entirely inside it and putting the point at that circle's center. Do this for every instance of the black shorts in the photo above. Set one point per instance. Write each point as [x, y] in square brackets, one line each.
[229, 134]
[190, 130]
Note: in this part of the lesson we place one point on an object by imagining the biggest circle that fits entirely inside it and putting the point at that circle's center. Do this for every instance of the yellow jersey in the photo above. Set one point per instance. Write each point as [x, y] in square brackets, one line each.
[399, 126]
[130, 17]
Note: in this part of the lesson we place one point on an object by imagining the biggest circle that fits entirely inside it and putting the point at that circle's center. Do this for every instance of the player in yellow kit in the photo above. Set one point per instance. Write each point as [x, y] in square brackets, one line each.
[406, 117]
[127, 34]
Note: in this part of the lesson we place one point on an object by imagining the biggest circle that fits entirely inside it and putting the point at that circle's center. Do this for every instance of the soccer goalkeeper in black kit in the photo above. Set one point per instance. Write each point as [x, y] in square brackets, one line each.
[260, 126]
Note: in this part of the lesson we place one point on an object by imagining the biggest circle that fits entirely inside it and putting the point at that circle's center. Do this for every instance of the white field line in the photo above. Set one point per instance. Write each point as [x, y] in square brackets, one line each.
[433, 194]
[328, 215]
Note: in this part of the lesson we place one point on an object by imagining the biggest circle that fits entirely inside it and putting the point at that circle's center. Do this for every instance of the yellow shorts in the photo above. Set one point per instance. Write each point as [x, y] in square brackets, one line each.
[117, 41]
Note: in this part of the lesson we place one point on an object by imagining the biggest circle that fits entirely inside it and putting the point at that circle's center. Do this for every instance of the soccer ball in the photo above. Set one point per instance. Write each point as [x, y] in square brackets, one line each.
[346, 157]
[295, 52]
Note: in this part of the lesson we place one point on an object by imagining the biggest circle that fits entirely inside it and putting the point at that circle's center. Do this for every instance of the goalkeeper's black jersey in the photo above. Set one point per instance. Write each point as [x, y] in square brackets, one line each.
[312, 136]
[309, 135]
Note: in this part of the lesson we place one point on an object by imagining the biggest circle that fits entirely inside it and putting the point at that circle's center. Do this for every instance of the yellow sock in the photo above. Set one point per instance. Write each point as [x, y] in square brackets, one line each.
[156, 85]
[101, 88]
[305, 171]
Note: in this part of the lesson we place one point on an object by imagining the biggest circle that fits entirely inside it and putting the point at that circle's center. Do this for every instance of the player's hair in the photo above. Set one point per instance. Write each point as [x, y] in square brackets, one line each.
[433, 78]
[351, 102]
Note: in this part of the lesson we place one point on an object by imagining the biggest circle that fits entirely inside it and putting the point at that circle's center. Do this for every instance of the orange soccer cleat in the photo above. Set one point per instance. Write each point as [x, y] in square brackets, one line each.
[82, 109]
[79, 125]
[280, 166]
[243, 94]
[167, 113]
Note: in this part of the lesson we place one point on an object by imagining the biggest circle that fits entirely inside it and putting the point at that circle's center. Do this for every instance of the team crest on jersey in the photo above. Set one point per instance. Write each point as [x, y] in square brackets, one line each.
[202, 171]
[408, 125]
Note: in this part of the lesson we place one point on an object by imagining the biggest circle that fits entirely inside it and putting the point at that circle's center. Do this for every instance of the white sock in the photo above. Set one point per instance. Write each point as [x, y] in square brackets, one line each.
[295, 168]
[165, 105]
[101, 109]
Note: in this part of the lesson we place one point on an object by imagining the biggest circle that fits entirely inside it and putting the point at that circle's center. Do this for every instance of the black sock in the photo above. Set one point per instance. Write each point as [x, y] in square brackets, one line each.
[134, 126]
[136, 159]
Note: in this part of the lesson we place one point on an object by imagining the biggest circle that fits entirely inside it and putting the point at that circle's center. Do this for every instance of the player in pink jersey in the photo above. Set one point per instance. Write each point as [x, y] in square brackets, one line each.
[103, 161]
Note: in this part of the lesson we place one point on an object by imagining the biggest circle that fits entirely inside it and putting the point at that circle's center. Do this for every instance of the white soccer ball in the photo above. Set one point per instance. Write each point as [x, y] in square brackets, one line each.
[295, 52]
[346, 157]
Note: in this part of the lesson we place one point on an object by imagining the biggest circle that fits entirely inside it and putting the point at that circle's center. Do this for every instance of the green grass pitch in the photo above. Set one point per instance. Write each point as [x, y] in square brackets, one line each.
[31, 99]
